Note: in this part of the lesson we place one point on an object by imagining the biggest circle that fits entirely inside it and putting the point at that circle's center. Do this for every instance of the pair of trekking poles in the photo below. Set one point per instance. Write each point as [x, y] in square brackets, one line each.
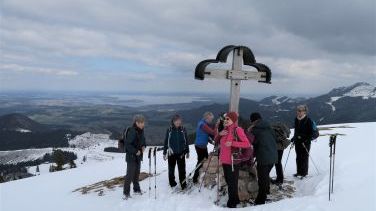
[215, 152]
[154, 151]
[309, 155]
[332, 154]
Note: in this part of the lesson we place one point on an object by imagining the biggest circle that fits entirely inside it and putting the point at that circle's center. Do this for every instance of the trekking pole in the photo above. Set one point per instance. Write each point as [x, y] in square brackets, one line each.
[193, 171]
[332, 145]
[207, 167]
[218, 178]
[155, 172]
[288, 155]
[334, 159]
[330, 166]
[311, 159]
[149, 156]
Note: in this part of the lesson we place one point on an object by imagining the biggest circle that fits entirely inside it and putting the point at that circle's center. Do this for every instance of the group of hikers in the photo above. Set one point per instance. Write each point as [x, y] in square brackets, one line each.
[261, 140]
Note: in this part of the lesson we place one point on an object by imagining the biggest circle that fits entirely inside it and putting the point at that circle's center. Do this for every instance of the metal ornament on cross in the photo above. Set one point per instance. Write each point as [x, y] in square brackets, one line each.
[241, 55]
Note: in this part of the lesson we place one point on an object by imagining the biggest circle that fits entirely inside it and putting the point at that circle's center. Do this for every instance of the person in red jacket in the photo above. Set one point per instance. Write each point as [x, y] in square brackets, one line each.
[228, 141]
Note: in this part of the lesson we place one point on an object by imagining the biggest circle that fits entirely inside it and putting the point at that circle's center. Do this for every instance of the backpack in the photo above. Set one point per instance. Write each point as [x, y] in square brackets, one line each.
[282, 133]
[315, 131]
[121, 141]
[242, 155]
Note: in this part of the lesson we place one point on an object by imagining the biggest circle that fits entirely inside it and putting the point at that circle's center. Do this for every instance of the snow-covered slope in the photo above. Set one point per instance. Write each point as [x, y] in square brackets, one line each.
[354, 188]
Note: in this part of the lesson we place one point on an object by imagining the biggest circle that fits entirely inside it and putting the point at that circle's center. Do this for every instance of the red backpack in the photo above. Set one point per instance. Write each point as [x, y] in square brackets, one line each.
[243, 155]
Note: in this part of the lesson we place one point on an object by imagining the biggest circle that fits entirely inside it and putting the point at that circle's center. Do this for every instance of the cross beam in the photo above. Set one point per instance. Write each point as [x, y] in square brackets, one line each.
[241, 55]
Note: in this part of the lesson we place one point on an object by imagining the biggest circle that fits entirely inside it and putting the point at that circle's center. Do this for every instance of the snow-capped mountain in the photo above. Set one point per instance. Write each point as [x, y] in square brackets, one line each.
[352, 190]
[361, 89]
[337, 106]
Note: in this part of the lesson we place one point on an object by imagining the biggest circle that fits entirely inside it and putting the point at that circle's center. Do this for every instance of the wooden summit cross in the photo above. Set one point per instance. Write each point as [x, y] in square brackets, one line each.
[241, 55]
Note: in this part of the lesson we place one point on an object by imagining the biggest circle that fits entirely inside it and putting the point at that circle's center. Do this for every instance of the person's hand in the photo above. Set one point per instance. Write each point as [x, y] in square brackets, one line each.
[223, 133]
[228, 144]
[138, 153]
[187, 155]
[165, 157]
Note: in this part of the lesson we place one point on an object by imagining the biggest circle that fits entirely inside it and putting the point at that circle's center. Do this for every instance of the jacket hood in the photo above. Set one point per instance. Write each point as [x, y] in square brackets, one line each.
[262, 124]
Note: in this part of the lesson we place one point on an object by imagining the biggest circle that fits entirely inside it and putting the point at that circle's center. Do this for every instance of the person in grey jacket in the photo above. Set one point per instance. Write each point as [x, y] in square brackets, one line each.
[175, 150]
[266, 153]
[134, 148]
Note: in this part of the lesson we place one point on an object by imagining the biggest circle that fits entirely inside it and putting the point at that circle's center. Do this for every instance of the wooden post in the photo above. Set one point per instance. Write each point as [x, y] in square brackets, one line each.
[235, 83]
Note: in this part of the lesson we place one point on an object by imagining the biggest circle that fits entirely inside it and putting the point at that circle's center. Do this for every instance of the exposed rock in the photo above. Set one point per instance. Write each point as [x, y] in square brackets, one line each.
[247, 184]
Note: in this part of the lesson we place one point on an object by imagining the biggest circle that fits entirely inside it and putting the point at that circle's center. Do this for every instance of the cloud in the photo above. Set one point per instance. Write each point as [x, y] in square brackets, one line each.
[302, 40]
[35, 70]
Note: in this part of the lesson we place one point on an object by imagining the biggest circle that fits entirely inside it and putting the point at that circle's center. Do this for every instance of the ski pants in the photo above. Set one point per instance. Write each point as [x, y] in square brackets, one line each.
[174, 159]
[202, 153]
[279, 168]
[263, 180]
[133, 172]
[231, 178]
[302, 157]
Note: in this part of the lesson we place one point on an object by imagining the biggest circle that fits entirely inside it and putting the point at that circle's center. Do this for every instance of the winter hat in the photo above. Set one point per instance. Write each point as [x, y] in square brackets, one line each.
[255, 116]
[233, 116]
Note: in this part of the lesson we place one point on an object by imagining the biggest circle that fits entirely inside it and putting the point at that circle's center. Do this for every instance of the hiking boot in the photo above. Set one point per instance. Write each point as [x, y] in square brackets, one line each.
[183, 186]
[195, 180]
[303, 176]
[126, 197]
[276, 182]
[173, 184]
[138, 192]
[296, 175]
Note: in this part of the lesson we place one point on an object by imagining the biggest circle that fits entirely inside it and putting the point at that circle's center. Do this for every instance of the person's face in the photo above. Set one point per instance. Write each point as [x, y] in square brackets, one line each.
[228, 121]
[178, 123]
[140, 125]
[209, 119]
[300, 112]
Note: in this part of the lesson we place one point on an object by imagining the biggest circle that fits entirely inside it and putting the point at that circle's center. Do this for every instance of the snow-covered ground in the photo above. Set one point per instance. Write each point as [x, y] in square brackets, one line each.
[86, 145]
[354, 188]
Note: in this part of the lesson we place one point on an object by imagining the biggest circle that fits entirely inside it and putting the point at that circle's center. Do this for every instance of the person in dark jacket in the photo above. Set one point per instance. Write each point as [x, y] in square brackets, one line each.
[265, 148]
[302, 139]
[203, 132]
[175, 150]
[282, 133]
[134, 147]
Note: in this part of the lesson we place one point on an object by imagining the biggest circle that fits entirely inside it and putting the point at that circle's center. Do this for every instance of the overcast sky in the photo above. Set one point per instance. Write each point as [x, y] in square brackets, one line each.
[154, 46]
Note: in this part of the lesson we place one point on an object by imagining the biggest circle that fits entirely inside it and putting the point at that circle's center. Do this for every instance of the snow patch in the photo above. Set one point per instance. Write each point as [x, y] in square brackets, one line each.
[23, 130]
[88, 140]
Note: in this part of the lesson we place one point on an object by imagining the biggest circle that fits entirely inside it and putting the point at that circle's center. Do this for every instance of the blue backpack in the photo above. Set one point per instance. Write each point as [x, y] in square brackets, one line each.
[315, 131]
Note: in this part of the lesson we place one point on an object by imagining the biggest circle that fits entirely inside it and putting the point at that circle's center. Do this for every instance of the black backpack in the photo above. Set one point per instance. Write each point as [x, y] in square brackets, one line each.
[121, 141]
[282, 133]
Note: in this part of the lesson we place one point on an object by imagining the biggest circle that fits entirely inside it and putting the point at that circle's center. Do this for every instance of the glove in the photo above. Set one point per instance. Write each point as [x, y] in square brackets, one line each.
[293, 140]
[165, 157]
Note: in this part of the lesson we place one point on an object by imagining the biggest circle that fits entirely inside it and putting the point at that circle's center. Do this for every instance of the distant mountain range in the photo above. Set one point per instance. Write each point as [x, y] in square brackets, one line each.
[355, 103]
[18, 131]
[20, 123]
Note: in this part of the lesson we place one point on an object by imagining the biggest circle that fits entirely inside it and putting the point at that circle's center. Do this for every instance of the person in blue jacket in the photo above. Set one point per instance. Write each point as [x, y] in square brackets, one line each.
[203, 132]
[176, 150]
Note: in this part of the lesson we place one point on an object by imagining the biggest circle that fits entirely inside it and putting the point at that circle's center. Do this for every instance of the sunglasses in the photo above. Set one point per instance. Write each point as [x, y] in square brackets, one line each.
[227, 119]
[300, 110]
